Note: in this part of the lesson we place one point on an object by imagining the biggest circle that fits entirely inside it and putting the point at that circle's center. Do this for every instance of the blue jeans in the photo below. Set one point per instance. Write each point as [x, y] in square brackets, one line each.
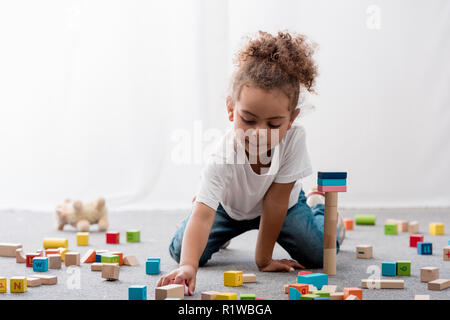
[301, 234]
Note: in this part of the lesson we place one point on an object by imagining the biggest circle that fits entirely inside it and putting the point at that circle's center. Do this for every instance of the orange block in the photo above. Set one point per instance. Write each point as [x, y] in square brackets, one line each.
[120, 254]
[301, 287]
[348, 224]
[353, 292]
[89, 256]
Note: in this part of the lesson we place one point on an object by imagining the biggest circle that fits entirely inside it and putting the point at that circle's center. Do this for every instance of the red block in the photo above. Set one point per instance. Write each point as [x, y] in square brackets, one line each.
[30, 257]
[414, 238]
[332, 188]
[112, 237]
[300, 273]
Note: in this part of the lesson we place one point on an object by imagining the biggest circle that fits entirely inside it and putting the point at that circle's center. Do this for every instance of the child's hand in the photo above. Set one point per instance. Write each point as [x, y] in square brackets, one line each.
[281, 265]
[182, 274]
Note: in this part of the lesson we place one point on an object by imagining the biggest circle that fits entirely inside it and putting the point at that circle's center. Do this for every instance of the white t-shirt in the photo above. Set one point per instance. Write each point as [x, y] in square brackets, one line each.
[239, 189]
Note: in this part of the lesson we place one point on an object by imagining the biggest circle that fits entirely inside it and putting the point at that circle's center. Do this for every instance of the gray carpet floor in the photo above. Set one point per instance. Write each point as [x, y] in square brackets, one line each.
[157, 228]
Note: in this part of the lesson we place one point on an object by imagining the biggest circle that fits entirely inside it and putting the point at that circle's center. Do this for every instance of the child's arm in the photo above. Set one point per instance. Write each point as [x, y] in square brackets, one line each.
[195, 239]
[275, 206]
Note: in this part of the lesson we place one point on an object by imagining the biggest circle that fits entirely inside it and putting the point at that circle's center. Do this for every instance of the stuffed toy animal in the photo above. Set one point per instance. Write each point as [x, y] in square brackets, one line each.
[82, 215]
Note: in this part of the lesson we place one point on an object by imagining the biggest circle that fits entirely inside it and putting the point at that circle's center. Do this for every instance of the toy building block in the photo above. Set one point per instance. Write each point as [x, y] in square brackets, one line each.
[348, 224]
[390, 229]
[62, 252]
[72, 259]
[47, 280]
[54, 261]
[439, 284]
[3, 285]
[247, 296]
[89, 257]
[152, 266]
[120, 255]
[365, 219]
[109, 258]
[353, 291]
[352, 297]
[389, 268]
[110, 271]
[232, 278]
[209, 295]
[286, 289]
[364, 252]
[82, 238]
[422, 297]
[9, 249]
[446, 253]
[337, 296]
[169, 291]
[29, 257]
[448, 242]
[413, 227]
[294, 294]
[322, 293]
[301, 289]
[249, 277]
[40, 264]
[55, 243]
[51, 251]
[414, 238]
[316, 279]
[33, 282]
[322, 298]
[382, 284]
[133, 235]
[226, 296]
[331, 182]
[137, 293]
[403, 268]
[436, 228]
[18, 284]
[96, 266]
[424, 248]
[311, 288]
[130, 261]
[113, 237]
[428, 274]
[300, 273]
[20, 256]
[329, 288]
[330, 217]
[309, 296]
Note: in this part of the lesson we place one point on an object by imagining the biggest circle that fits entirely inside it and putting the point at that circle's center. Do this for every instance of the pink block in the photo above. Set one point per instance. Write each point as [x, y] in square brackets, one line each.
[332, 188]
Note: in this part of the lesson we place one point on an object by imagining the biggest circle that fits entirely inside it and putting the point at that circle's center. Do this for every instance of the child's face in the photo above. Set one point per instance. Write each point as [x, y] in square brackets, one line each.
[262, 116]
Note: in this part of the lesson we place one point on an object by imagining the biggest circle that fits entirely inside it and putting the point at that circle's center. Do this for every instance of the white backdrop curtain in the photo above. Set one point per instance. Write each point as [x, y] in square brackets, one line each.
[123, 99]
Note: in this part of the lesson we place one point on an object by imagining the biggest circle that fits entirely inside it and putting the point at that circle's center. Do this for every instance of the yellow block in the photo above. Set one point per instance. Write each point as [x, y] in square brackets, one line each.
[436, 228]
[233, 278]
[55, 243]
[18, 284]
[63, 252]
[2, 284]
[226, 296]
[82, 238]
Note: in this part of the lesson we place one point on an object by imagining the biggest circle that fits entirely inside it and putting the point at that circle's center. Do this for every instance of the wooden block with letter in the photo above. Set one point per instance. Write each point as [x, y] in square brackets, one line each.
[364, 252]
[110, 271]
[248, 277]
[9, 249]
[233, 278]
[30, 257]
[120, 255]
[3, 284]
[72, 259]
[130, 261]
[439, 284]
[169, 291]
[446, 253]
[382, 284]
[18, 284]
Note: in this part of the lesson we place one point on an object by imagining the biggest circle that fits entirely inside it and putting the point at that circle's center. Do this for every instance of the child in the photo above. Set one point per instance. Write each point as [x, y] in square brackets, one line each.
[253, 178]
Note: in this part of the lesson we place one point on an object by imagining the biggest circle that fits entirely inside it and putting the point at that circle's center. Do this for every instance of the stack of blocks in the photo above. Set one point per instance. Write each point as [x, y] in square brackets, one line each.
[332, 182]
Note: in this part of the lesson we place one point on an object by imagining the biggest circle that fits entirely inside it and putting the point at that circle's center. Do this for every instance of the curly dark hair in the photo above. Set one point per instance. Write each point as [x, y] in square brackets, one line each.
[283, 62]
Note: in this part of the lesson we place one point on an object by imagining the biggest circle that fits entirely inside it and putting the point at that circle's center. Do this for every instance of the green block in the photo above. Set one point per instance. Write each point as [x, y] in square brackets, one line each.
[321, 293]
[133, 235]
[403, 268]
[247, 296]
[365, 219]
[308, 296]
[109, 258]
[390, 228]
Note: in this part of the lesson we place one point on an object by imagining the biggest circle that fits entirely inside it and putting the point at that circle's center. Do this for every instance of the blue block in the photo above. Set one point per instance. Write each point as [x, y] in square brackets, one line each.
[294, 294]
[40, 264]
[425, 248]
[137, 293]
[316, 279]
[98, 257]
[332, 175]
[389, 268]
[322, 298]
[152, 266]
[448, 242]
[332, 182]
